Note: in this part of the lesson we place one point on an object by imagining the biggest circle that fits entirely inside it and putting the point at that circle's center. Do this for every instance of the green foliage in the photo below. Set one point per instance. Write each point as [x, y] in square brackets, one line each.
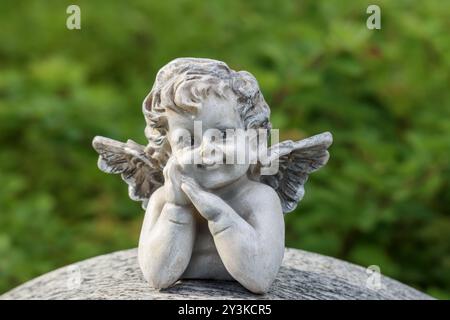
[383, 199]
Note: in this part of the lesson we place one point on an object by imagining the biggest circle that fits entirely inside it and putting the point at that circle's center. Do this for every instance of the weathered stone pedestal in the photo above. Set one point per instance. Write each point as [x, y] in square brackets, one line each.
[303, 275]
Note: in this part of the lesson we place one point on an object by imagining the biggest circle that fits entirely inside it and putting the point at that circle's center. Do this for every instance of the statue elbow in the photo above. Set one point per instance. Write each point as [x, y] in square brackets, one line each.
[158, 279]
[259, 287]
[157, 276]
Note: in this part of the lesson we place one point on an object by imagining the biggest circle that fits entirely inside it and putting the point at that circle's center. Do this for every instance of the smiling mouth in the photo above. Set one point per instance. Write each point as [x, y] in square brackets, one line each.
[208, 166]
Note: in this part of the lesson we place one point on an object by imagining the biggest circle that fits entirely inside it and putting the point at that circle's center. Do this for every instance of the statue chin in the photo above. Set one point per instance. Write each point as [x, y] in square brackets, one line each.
[220, 176]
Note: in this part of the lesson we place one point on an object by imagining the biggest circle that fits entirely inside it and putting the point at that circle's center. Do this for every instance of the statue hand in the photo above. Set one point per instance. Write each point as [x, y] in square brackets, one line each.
[209, 205]
[172, 183]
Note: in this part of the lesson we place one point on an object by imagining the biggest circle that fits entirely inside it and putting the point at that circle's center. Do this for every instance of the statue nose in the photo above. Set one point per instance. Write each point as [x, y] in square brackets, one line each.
[202, 150]
[208, 153]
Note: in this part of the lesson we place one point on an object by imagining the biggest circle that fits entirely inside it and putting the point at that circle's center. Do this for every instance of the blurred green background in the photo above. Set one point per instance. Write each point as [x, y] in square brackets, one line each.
[383, 199]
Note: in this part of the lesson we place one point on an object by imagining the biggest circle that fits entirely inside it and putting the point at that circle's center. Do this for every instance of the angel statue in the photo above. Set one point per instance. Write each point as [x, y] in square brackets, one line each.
[208, 215]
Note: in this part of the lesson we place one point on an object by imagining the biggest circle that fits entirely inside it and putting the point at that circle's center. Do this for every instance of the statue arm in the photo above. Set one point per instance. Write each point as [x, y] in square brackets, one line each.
[252, 250]
[166, 241]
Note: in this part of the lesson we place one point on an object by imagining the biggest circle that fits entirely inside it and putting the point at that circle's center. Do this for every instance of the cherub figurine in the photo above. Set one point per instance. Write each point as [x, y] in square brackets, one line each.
[209, 219]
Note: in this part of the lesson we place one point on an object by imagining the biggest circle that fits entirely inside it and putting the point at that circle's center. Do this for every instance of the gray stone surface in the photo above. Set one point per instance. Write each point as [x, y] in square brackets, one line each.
[303, 275]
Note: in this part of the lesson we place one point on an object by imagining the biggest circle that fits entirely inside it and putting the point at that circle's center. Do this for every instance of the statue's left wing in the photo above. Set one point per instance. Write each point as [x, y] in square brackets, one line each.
[296, 161]
[132, 162]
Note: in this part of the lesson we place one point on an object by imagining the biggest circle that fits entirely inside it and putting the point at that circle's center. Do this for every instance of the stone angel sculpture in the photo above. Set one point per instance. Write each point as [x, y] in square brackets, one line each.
[209, 218]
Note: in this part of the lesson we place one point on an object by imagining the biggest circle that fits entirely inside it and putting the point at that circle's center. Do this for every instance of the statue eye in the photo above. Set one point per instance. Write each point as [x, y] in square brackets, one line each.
[184, 140]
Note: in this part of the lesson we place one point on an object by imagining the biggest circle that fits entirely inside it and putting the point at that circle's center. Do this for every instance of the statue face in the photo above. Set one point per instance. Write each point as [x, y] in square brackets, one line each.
[204, 145]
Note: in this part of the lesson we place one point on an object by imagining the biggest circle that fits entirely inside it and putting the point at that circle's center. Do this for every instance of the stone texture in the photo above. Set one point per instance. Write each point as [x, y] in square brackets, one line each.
[303, 275]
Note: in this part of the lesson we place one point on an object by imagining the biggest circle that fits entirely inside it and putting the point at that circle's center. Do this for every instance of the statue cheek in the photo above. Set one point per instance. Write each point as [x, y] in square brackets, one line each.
[241, 153]
[253, 156]
[186, 156]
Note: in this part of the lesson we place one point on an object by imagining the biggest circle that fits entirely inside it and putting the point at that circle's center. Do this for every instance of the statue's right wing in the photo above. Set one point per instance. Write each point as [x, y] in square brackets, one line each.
[131, 161]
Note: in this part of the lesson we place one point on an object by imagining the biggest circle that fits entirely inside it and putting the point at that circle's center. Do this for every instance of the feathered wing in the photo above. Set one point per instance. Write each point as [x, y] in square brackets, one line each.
[132, 162]
[296, 161]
